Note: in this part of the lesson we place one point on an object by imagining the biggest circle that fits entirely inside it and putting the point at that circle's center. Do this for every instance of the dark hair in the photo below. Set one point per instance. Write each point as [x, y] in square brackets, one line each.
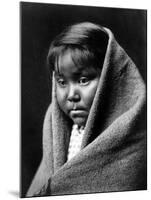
[86, 41]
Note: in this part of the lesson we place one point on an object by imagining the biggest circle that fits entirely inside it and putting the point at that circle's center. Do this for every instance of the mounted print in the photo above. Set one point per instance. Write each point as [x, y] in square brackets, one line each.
[83, 99]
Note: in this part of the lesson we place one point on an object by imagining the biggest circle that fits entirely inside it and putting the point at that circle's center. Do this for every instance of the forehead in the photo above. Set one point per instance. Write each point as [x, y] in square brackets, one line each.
[67, 67]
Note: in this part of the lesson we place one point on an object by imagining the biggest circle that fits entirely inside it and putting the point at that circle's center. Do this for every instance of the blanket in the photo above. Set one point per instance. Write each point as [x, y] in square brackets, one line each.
[113, 155]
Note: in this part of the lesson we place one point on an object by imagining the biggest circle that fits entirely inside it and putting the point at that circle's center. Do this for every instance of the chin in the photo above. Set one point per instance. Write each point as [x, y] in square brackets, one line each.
[79, 121]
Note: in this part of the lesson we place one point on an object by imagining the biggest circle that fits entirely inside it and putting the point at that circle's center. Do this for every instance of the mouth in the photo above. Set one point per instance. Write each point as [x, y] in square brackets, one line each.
[78, 112]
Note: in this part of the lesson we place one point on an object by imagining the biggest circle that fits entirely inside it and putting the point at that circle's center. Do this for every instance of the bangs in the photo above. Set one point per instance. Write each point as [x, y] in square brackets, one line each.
[80, 56]
[84, 57]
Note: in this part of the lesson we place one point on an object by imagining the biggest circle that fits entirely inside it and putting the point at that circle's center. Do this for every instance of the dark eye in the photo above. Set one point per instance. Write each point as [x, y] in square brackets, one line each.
[84, 81]
[61, 82]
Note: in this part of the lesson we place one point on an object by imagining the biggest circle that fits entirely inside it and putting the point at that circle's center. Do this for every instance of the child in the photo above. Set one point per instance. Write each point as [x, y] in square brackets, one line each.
[93, 133]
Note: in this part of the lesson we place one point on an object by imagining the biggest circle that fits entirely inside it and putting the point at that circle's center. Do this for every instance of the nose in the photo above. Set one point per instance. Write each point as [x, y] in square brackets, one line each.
[73, 94]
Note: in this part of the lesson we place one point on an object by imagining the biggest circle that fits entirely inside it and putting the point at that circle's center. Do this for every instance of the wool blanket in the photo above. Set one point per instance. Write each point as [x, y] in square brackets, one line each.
[113, 155]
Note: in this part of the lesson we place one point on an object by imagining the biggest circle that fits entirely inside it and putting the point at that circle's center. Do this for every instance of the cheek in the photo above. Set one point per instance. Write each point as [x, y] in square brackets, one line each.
[89, 94]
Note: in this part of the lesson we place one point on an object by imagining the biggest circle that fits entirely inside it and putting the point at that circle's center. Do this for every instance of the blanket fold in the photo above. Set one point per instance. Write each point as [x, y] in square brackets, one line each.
[113, 155]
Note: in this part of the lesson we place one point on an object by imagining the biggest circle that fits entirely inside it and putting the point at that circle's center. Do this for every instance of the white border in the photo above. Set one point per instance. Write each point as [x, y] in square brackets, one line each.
[10, 95]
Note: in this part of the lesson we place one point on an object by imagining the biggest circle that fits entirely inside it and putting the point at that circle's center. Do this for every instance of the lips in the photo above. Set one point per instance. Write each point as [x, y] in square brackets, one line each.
[77, 112]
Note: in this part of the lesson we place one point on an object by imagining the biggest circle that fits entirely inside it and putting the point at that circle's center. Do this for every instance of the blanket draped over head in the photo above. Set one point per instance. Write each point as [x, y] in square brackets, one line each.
[113, 155]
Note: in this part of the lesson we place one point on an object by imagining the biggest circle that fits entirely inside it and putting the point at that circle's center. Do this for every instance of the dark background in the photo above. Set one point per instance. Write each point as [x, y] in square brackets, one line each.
[39, 24]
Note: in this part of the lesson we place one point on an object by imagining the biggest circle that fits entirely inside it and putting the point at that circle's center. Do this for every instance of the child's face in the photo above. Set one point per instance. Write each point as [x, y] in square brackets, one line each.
[75, 89]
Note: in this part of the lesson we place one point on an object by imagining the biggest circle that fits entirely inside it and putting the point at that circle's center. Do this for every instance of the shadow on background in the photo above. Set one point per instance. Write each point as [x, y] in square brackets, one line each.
[14, 193]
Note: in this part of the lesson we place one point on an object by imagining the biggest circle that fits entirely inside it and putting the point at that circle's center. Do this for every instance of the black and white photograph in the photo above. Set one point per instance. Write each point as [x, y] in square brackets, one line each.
[83, 99]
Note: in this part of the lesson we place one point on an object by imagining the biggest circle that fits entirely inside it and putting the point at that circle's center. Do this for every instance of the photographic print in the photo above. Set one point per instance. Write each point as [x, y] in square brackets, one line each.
[83, 99]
